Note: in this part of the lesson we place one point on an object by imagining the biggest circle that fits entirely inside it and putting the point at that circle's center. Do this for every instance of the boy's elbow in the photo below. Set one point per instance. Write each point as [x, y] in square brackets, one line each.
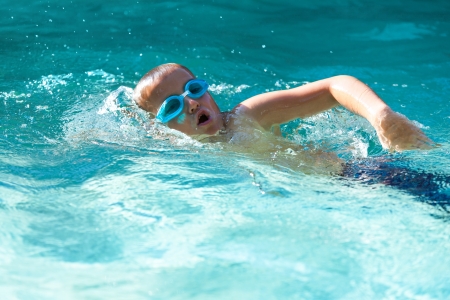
[343, 82]
[345, 79]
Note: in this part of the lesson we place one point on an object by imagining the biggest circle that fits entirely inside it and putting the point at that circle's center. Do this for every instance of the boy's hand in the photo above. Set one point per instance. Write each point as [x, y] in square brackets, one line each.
[397, 133]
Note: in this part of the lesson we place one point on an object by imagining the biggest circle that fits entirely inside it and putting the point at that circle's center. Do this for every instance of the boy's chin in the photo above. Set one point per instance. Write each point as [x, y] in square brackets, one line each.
[200, 137]
[209, 133]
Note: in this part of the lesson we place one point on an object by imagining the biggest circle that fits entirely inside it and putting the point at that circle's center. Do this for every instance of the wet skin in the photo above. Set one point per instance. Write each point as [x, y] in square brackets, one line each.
[202, 118]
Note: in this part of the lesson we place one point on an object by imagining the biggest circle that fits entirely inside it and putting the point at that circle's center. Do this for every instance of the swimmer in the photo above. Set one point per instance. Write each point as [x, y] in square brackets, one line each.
[175, 97]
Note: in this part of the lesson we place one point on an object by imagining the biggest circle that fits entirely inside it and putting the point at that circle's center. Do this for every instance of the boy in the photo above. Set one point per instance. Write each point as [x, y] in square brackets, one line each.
[173, 94]
[176, 98]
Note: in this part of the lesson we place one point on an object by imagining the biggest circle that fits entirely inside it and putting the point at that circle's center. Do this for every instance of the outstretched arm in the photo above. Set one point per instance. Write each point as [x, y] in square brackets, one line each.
[395, 131]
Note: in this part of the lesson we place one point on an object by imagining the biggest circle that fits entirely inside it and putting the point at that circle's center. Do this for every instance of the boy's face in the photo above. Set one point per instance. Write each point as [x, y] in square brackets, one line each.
[199, 116]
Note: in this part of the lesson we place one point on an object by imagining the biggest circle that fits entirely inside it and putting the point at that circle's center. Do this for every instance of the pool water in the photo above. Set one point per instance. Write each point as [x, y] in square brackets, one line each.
[96, 202]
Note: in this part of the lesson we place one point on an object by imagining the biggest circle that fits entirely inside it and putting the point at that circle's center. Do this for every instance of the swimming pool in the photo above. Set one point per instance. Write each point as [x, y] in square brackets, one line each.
[95, 203]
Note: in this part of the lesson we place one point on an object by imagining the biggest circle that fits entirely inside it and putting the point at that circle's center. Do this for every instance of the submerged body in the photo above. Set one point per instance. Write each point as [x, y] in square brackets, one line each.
[178, 99]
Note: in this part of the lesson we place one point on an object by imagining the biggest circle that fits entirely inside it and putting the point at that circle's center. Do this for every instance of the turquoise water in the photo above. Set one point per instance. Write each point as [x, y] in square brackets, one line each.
[95, 202]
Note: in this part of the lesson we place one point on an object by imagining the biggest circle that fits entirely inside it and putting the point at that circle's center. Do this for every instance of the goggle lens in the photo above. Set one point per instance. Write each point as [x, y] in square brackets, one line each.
[196, 89]
[172, 105]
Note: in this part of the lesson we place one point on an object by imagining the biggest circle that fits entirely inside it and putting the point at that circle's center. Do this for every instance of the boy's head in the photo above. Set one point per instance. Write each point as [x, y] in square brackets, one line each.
[197, 115]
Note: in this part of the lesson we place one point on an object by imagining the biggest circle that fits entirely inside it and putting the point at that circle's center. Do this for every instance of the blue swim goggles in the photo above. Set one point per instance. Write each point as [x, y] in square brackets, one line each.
[174, 105]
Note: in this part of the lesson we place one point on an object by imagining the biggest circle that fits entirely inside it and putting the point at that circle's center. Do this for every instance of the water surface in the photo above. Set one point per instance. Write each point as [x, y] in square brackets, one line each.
[95, 202]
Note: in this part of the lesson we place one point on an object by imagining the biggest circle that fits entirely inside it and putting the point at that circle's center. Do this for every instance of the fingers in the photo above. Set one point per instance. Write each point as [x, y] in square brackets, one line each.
[397, 133]
[415, 143]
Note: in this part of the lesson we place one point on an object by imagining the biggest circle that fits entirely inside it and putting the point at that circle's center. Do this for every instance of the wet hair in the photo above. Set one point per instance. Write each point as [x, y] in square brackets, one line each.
[141, 94]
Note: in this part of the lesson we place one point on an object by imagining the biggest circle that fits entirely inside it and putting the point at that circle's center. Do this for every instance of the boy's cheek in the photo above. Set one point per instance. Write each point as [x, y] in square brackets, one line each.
[181, 124]
[181, 118]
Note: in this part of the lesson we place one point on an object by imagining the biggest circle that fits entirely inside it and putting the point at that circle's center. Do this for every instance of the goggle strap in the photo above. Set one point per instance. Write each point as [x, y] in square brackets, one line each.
[185, 94]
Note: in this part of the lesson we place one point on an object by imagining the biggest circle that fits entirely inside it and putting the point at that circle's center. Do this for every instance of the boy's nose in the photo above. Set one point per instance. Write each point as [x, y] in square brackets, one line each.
[192, 105]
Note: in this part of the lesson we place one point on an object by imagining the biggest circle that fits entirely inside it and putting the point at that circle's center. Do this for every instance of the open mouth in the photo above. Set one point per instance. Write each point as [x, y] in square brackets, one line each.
[202, 118]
